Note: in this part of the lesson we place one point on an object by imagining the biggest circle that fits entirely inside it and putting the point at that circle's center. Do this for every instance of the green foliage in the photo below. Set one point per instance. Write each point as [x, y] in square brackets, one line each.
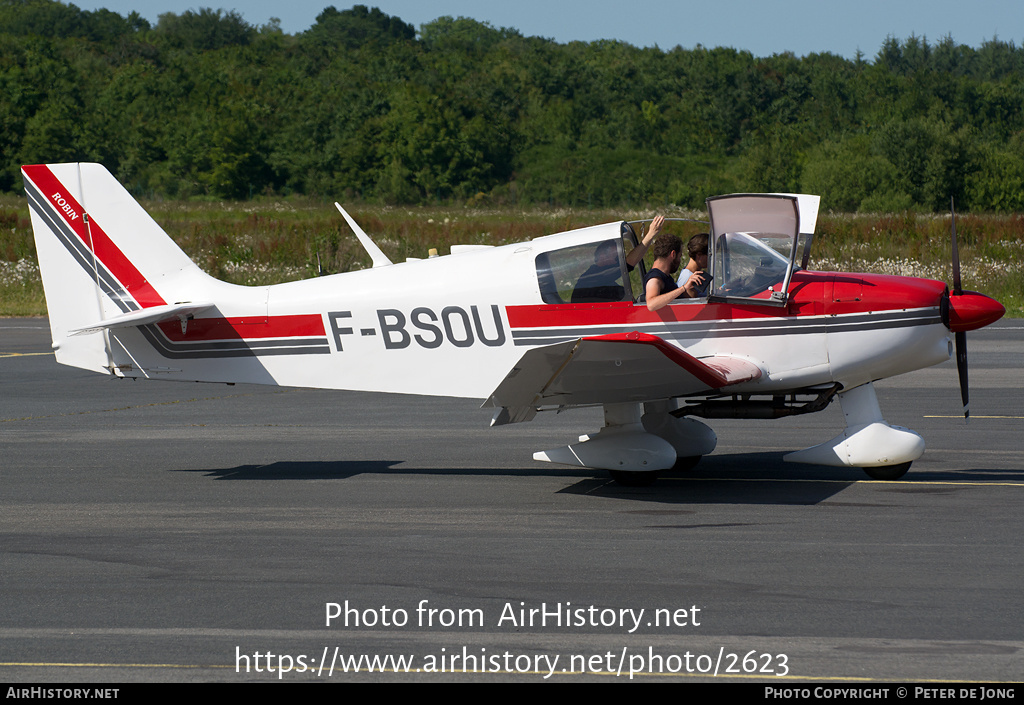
[359, 106]
[998, 184]
[205, 30]
[845, 173]
[55, 20]
[355, 28]
[462, 35]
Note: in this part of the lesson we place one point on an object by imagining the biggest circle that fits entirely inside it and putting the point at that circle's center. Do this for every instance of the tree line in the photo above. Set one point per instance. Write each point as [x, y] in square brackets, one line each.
[362, 105]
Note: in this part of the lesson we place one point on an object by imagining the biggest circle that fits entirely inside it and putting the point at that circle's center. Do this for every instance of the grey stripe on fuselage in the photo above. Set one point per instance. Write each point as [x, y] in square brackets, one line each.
[687, 330]
[241, 348]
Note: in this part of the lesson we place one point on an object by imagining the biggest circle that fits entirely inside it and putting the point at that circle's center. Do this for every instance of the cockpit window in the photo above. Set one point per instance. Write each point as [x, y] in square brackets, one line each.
[747, 264]
[754, 239]
[592, 272]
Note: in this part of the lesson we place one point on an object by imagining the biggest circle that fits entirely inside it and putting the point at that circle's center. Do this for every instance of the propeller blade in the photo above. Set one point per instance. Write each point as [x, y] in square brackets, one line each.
[957, 289]
[960, 337]
[961, 368]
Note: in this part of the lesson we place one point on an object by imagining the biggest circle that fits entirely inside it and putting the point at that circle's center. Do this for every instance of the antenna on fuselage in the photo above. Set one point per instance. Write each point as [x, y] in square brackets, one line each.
[378, 258]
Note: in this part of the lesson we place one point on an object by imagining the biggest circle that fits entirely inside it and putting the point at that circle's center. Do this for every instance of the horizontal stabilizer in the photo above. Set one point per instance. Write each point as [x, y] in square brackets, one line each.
[153, 314]
[610, 369]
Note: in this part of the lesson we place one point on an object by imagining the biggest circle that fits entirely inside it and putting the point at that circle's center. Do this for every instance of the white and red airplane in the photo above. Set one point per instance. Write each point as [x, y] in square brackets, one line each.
[514, 326]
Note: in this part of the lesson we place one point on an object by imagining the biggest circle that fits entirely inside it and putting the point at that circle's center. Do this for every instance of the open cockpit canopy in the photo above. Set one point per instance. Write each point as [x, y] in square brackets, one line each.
[754, 244]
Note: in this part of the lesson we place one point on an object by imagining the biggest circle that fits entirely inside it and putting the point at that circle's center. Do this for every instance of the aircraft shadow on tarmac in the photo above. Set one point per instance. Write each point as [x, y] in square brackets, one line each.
[740, 478]
[300, 470]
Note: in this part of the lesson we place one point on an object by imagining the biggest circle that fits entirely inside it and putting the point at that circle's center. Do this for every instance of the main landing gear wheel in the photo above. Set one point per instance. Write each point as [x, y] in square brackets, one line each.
[686, 464]
[634, 479]
[887, 472]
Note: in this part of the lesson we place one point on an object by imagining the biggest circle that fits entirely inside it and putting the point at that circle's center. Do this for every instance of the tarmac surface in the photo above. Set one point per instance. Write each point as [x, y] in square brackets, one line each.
[184, 532]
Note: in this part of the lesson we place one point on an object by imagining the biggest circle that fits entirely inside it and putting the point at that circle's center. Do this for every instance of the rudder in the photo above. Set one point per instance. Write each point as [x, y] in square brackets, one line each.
[100, 256]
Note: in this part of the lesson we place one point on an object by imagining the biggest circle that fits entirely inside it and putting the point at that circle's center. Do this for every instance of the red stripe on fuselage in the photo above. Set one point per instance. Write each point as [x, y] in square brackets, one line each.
[628, 314]
[101, 245]
[245, 328]
[811, 294]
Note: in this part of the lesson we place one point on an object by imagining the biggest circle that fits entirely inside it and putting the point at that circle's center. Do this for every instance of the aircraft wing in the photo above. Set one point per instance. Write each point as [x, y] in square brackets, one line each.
[609, 369]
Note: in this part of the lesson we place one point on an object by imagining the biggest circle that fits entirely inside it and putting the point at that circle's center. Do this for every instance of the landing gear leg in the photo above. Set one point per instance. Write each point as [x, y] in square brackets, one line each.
[885, 452]
[623, 447]
[691, 438]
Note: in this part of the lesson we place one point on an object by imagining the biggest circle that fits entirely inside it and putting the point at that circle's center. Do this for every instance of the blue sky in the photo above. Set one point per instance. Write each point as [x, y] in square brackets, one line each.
[763, 27]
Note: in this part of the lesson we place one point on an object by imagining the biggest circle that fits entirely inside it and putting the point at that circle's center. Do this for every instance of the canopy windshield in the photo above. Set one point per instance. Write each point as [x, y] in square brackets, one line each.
[753, 246]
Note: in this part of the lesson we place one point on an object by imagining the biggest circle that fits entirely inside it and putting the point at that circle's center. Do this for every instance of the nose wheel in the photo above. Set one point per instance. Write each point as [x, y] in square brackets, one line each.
[885, 452]
[887, 472]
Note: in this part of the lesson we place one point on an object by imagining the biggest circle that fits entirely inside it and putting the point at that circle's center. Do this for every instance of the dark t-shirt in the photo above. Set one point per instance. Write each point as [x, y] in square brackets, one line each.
[667, 282]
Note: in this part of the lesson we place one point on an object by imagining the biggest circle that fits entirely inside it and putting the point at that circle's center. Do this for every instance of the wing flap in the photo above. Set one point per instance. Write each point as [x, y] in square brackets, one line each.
[610, 369]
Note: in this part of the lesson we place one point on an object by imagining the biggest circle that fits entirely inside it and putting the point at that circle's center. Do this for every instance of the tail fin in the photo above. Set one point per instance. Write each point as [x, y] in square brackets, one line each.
[100, 256]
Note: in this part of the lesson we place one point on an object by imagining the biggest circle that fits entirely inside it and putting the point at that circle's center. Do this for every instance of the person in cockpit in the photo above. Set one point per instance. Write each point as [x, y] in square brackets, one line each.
[697, 249]
[602, 281]
[660, 288]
